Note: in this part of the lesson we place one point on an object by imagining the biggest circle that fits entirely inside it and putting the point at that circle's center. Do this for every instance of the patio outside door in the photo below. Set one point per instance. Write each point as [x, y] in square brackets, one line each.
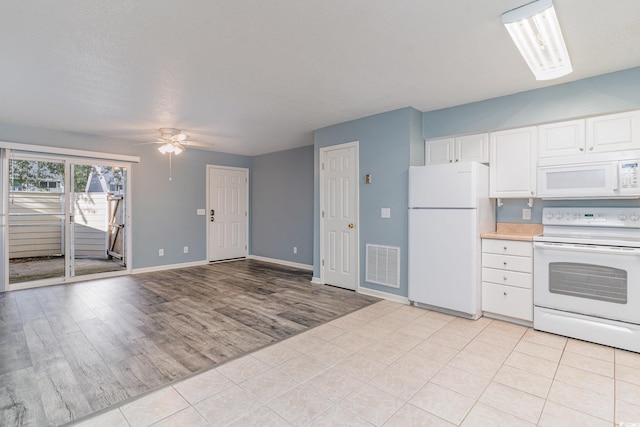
[66, 220]
[96, 219]
[36, 211]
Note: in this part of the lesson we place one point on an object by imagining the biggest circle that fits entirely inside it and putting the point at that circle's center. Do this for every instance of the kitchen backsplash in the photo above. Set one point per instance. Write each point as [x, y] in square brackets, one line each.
[511, 210]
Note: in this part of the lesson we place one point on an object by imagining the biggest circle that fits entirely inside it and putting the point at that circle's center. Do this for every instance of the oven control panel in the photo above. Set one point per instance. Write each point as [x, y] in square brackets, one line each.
[592, 217]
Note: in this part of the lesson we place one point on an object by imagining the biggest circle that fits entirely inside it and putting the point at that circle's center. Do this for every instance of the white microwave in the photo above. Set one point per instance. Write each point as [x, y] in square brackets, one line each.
[594, 176]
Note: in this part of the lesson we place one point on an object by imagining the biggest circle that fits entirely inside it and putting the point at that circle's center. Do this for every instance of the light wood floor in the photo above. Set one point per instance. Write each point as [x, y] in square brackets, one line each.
[67, 351]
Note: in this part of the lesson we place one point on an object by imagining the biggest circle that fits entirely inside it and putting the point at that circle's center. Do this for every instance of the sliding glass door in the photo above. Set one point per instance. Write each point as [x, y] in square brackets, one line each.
[97, 219]
[36, 238]
[66, 219]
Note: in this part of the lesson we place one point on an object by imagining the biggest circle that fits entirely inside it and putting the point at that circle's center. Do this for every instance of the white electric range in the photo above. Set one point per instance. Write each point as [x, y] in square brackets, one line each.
[587, 275]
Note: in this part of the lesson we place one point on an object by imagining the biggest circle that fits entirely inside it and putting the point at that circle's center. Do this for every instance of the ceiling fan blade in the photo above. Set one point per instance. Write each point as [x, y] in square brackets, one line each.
[190, 143]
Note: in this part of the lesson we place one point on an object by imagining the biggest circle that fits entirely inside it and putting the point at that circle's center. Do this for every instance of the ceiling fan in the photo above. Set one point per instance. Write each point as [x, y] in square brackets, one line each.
[173, 141]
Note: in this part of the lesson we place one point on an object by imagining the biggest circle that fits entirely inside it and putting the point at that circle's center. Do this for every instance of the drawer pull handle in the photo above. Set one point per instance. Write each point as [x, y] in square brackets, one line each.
[504, 247]
[505, 263]
[505, 294]
[504, 278]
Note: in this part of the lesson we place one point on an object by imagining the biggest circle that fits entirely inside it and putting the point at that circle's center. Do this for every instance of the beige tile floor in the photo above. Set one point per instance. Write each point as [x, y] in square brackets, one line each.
[396, 365]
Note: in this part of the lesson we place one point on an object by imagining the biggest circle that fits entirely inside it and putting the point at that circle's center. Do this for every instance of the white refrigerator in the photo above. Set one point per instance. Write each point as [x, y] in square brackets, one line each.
[449, 206]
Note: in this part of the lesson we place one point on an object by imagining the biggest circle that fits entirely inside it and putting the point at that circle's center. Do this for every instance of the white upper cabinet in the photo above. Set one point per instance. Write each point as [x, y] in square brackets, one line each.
[472, 148]
[467, 148]
[438, 151]
[513, 163]
[613, 132]
[561, 139]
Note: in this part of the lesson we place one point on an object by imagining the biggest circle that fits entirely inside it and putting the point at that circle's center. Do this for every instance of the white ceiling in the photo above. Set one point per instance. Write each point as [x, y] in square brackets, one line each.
[257, 76]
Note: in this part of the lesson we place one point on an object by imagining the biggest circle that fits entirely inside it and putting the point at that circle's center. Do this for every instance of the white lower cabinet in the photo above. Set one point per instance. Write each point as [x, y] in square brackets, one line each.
[507, 279]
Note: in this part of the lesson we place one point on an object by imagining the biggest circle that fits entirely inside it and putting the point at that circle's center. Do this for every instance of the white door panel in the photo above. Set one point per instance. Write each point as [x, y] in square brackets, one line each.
[227, 213]
[339, 216]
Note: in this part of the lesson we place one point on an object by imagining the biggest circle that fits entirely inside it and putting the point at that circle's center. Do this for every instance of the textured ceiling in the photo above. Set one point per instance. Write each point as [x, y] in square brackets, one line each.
[256, 76]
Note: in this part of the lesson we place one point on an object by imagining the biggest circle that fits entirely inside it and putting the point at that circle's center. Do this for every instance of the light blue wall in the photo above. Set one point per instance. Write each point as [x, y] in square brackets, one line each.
[164, 212]
[511, 211]
[384, 152]
[416, 141]
[282, 205]
[597, 95]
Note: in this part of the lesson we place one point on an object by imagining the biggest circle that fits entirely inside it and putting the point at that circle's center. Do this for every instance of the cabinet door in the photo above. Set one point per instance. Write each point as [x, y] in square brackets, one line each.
[508, 301]
[513, 156]
[522, 264]
[507, 247]
[613, 132]
[472, 148]
[438, 151]
[561, 139]
[507, 277]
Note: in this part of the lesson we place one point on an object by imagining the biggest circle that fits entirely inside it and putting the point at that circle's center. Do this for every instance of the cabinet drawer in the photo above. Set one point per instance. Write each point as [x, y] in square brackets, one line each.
[507, 277]
[507, 262]
[507, 301]
[507, 247]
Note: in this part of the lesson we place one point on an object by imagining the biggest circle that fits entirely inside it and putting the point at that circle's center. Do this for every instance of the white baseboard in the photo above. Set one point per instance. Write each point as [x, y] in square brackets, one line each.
[383, 295]
[281, 262]
[316, 281]
[168, 267]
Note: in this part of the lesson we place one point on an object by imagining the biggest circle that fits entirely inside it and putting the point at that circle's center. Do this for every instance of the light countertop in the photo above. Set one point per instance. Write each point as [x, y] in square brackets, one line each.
[514, 231]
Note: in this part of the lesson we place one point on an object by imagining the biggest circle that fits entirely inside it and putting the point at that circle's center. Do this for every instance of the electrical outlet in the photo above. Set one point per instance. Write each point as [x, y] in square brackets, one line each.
[295, 249]
[526, 213]
[160, 252]
[185, 249]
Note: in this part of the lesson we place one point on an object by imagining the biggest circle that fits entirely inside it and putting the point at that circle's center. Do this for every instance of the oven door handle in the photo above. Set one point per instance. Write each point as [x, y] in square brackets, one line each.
[587, 249]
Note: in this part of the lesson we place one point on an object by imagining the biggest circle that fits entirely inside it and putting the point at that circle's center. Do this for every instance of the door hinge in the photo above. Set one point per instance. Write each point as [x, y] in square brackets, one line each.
[323, 263]
[322, 214]
[246, 180]
[322, 165]
[245, 213]
[245, 247]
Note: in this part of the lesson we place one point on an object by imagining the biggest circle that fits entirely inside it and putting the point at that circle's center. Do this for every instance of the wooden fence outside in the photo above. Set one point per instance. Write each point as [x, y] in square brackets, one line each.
[36, 224]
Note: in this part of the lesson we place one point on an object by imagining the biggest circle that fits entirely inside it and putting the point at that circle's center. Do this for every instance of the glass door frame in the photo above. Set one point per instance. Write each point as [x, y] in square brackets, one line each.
[51, 155]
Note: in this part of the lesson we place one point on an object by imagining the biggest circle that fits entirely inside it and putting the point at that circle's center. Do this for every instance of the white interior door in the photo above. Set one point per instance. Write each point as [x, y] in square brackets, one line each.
[227, 212]
[339, 215]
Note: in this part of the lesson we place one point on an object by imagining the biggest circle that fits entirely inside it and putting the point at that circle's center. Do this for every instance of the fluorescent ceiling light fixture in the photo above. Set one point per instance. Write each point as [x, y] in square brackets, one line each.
[535, 30]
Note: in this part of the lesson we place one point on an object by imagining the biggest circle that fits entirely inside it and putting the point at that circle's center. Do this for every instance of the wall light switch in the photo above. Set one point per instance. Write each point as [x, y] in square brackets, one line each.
[385, 212]
[201, 212]
[367, 178]
[526, 213]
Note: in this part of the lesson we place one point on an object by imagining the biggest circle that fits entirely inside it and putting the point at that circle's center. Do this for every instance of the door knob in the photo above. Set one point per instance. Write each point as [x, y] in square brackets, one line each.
[351, 225]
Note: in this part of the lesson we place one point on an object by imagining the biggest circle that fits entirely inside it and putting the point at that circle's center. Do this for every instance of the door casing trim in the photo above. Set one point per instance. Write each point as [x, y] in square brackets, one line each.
[323, 150]
[208, 202]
